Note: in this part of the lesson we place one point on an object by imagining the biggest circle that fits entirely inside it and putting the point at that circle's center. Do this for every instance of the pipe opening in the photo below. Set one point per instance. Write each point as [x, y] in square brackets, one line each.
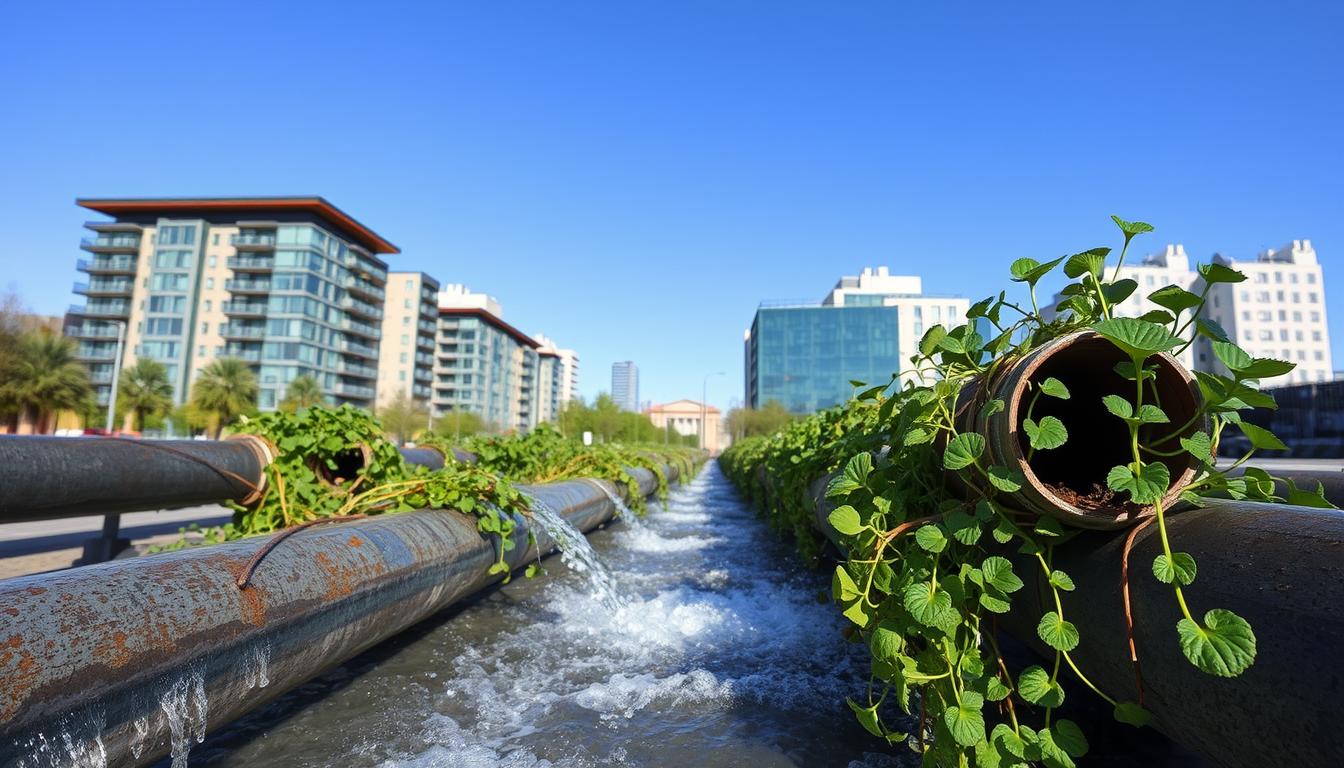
[1098, 440]
[349, 463]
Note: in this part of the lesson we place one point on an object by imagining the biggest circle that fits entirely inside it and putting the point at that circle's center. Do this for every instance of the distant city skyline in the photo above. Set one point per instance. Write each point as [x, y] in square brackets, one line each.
[641, 180]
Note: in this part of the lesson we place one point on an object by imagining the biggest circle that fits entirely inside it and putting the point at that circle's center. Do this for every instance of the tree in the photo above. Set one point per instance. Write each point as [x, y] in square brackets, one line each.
[143, 391]
[457, 424]
[750, 422]
[41, 377]
[607, 422]
[224, 390]
[403, 417]
[302, 392]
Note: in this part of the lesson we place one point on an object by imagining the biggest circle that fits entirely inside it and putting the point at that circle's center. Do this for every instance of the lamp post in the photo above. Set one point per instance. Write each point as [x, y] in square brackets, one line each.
[704, 389]
[116, 374]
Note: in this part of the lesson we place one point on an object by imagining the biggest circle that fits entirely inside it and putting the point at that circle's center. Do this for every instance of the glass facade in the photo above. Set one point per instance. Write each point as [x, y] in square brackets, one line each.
[805, 357]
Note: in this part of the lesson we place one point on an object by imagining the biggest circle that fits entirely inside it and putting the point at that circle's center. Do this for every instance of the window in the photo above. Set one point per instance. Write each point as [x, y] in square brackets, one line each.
[1297, 317]
[401, 375]
[410, 286]
[1245, 295]
[214, 260]
[1266, 335]
[207, 305]
[405, 319]
[1246, 315]
[210, 283]
[1278, 277]
[1315, 335]
[200, 351]
[168, 282]
[1318, 354]
[405, 339]
[406, 303]
[1315, 317]
[205, 328]
[1283, 315]
[1279, 295]
[1264, 315]
[1292, 278]
[214, 240]
[1311, 297]
[1262, 296]
[1311, 278]
[1261, 277]
[1283, 334]
[1298, 336]
[1247, 335]
[1300, 354]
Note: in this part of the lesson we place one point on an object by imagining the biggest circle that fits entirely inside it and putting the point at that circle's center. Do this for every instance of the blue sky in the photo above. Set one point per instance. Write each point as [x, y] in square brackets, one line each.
[634, 178]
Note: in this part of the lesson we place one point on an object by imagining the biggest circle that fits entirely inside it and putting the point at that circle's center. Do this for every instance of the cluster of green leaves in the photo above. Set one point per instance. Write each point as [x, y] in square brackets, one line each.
[546, 455]
[926, 519]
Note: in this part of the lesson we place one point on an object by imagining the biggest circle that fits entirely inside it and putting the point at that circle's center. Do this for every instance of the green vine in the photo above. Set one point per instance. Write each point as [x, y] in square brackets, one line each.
[925, 513]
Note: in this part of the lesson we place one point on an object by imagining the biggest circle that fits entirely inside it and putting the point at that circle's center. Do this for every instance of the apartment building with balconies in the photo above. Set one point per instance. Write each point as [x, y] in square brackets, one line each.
[409, 325]
[292, 285]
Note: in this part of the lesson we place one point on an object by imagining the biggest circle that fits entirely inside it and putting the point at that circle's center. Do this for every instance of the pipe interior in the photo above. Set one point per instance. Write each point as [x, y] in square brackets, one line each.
[348, 464]
[1099, 440]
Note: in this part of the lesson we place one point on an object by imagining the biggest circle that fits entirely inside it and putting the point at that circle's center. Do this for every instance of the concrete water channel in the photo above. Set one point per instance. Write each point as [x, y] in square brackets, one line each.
[717, 653]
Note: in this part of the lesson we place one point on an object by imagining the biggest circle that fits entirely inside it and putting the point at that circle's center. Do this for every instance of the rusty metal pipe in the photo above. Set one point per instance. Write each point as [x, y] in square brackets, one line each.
[1278, 566]
[1059, 481]
[43, 477]
[139, 658]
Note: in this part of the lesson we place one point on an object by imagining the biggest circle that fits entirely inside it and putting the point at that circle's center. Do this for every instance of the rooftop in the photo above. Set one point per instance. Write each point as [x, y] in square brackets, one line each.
[185, 206]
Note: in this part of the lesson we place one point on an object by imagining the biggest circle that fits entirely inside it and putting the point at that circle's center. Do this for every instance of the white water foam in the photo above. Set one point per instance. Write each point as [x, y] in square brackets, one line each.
[577, 553]
[185, 707]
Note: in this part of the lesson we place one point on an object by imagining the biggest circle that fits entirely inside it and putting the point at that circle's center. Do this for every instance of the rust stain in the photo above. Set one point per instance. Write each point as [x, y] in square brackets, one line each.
[355, 542]
[20, 681]
[253, 605]
[36, 590]
[12, 611]
[340, 582]
[115, 653]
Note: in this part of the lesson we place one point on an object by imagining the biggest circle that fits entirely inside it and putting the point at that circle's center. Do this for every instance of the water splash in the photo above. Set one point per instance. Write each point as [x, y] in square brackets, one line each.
[141, 725]
[76, 742]
[256, 666]
[185, 706]
[623, 511]
[578, 554]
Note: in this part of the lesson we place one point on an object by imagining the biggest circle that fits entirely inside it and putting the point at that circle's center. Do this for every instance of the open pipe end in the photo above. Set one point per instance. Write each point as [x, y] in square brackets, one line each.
[1071, 480]
[348, 464]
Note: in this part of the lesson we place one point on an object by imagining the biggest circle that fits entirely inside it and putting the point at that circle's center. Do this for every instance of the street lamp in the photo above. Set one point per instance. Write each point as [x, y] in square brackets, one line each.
[116, 373]
[704, 389]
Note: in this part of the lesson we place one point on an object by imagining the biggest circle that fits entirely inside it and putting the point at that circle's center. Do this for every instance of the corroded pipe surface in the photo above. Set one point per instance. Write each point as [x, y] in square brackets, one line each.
[139, 658]
[44, 477]
[1280, 567]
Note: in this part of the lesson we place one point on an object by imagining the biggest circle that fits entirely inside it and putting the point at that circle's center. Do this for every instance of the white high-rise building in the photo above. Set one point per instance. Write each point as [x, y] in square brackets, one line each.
[916, 312]
[1170, 266]
[1278, 312]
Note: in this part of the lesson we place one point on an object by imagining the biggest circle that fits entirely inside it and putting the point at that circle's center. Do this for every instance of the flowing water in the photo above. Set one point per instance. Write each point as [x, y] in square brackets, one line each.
[714, 651]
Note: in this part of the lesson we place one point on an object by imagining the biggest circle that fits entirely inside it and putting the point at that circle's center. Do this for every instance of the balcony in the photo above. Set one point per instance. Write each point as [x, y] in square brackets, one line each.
[354, 391]
[96, 353]
[242, 331]
[422, 374]
[117, 265]
[236, 285]
[352, 347]
[100, 331]
[253, 241]
[105, 288]
[111, 244]
[244, 308]
[101, 377]
[116, 310]
[361, 329]
[424, 342]
[351, 368]
[251, 263]
[364, 288]
[364, 309]
[246, 354]
[424, 358]
[427, 326]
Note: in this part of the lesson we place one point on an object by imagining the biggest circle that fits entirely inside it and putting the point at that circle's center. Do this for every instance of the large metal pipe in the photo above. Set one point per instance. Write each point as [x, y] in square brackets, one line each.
[43, 477]
[1276, 565]
[137, 659]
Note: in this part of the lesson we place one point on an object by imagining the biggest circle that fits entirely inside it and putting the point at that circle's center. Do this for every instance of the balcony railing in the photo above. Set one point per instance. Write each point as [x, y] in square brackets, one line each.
[364, 288]
[116, 265]
[427, 326]
[355, 306]
[101, 377]
[95, 352]
[101, 331]
[353, 390]
[236, 285]
[240, 331]
[111, 244]
[251, 263]
[363, 329]
[355, 348]
[351, 368]
[105, 287]
[247, 354]
[244, 308]
[253, 241]
[119, 309]
[424, 342]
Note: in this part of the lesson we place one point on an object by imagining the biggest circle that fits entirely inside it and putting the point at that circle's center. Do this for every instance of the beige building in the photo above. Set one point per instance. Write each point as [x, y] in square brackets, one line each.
[684, 416]
[406, 351]
[291, 285]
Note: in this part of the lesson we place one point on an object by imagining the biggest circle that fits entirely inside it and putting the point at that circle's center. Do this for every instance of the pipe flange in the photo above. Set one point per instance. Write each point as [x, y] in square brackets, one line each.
[266, 452]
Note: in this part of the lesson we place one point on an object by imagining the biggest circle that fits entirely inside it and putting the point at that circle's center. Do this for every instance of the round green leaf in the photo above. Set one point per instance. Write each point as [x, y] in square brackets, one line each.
[930, 609]
[1069, 737]
[1035, 686]
[1179, 568]
[886, 644]
[1046, 435]
[1147, 487]
[845, 520]
[1057, 633]
[1137, 338]
[1133, 714]
[1224, 646]
[1054, 388]
[999, 572]
[1061, 581]
[964, 720]
[963, 450]
[930, 538]
[1005, 479]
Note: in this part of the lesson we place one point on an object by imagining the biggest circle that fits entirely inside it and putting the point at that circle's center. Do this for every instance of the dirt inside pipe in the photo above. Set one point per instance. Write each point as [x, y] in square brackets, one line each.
[1099, 440]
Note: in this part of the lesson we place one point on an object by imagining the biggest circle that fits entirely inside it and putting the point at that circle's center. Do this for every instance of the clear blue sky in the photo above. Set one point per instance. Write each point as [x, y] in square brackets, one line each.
[633, 178]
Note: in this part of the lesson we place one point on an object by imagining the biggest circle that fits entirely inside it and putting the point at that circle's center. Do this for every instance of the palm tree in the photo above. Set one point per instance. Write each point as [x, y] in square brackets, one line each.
[302, 392]
[224, 390]
[144, 391]
[40, 378]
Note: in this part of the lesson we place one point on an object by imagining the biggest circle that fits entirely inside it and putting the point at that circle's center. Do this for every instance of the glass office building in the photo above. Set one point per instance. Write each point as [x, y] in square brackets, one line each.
[805, 356]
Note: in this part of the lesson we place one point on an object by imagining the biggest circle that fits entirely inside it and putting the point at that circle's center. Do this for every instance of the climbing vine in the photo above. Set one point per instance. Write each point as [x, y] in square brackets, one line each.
[932, 521]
